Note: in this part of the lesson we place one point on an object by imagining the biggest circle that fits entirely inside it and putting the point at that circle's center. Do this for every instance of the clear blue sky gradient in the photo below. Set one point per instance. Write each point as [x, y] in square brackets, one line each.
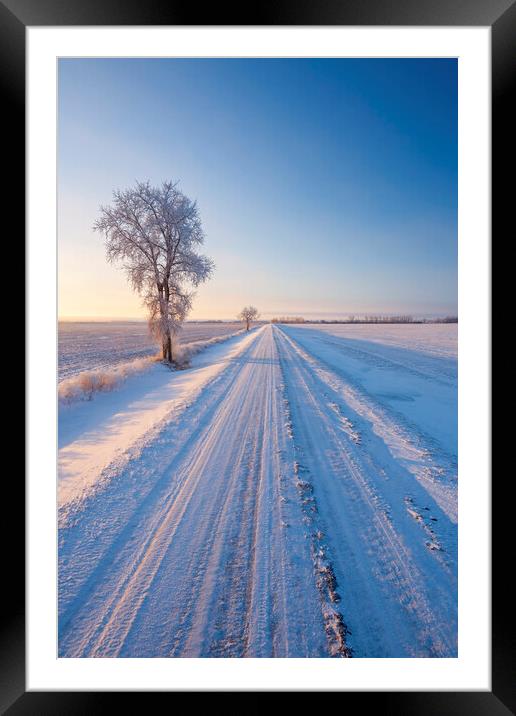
[325, 186]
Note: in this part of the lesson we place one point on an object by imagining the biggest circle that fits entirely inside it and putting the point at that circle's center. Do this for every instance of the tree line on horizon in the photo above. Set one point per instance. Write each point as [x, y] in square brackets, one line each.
[365, 319]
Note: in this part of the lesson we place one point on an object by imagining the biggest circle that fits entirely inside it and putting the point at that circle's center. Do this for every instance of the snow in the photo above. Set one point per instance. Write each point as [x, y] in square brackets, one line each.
[93, 435]
[86, 384]
[293, 494]
[103, 345]
[403, 380]
[438, 339]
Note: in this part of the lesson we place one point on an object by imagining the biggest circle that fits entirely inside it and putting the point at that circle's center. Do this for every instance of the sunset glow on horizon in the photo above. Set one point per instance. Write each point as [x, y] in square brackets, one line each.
[325, 187]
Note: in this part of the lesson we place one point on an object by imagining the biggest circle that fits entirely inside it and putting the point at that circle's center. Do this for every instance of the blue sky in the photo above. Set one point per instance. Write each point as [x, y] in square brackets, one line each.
[325, 186]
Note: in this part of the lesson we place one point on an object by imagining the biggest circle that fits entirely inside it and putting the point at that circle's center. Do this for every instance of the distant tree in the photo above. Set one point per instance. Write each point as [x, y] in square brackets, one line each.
[248, 315]
[449, 319]
[288, 319]
[155, 232]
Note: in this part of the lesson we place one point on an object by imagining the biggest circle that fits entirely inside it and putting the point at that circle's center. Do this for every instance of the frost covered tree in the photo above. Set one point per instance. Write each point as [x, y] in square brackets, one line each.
[155, 233]
[248, 314]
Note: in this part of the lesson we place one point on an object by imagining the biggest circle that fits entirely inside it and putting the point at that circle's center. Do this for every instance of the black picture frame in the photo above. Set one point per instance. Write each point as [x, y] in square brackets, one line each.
[500, 15]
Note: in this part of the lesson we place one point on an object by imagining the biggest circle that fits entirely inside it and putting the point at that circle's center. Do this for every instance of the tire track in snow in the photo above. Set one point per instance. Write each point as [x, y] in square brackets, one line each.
[397, 599]
[335, 628]
[206, 544]
[205, 566]
[432, 466]
[92, 541]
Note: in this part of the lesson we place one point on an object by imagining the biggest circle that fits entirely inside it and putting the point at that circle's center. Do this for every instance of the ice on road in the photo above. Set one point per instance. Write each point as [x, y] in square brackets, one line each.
[280, 508]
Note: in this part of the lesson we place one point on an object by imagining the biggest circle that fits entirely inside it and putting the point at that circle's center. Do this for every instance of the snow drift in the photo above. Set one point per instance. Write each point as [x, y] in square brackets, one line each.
[84, 385]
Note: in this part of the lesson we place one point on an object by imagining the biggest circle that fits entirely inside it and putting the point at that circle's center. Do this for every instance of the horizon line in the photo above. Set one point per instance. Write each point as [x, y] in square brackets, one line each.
[311, 315]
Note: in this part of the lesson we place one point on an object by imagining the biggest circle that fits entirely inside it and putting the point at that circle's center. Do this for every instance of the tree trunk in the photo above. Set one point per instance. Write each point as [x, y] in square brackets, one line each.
[167, 346]
[168, 337]
[166, 341]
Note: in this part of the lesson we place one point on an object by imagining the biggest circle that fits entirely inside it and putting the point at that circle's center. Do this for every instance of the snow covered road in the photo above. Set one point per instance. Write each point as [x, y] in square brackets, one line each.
[277, 511]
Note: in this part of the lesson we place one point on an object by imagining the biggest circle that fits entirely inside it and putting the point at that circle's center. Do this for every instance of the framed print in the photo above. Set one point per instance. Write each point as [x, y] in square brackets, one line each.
[258, 353]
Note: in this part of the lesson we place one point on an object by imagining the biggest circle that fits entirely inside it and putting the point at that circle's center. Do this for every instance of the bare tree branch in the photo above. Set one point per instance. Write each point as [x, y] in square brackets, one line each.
[248, 314]
[154, 233]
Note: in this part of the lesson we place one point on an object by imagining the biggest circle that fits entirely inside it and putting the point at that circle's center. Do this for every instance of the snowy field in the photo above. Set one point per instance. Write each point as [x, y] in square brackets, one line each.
[85, 346]
[292, 494]
[438, 339]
